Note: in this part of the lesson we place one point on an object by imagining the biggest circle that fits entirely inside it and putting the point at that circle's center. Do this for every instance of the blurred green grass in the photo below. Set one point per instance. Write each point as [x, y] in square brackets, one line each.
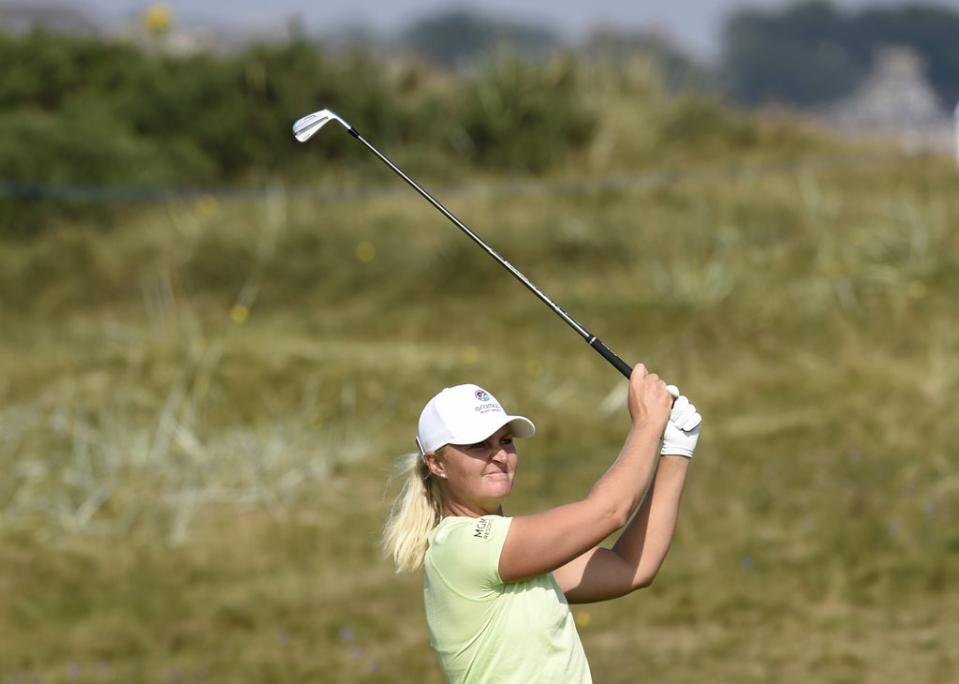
[199, 414]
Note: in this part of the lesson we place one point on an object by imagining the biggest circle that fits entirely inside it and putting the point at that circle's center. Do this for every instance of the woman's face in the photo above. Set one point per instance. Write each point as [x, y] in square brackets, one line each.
[477, 477]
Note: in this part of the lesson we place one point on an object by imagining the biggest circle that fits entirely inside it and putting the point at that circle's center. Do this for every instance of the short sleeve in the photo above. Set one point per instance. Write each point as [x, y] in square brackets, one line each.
[467, 555]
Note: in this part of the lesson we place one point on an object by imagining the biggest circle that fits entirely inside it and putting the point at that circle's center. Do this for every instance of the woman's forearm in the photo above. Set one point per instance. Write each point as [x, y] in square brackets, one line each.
[622, 487]
[645, 541]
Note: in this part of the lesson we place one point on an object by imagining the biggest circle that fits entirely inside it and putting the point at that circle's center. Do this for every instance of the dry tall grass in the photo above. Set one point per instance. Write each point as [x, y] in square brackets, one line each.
[198, 415]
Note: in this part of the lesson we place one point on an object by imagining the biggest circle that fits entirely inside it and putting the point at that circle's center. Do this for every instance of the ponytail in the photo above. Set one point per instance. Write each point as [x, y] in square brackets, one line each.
[415, 512]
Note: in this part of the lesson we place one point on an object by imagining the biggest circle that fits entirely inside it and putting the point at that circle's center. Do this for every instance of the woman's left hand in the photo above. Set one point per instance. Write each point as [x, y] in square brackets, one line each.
[682, 429]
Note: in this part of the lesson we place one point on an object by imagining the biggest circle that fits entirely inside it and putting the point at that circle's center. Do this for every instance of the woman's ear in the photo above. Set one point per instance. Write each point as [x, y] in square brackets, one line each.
[435, 464]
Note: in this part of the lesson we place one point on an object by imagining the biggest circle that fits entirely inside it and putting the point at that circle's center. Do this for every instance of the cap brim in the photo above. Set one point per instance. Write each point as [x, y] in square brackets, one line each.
[520, 425]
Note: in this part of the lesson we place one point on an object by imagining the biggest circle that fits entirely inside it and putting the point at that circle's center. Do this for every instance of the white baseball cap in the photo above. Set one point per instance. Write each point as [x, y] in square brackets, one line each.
[465, 414]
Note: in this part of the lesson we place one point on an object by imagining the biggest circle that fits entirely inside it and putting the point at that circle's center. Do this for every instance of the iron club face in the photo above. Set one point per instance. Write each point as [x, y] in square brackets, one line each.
[305, 127]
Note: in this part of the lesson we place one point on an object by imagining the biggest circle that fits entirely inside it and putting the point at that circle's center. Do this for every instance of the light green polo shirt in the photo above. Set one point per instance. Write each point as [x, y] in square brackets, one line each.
[484, 630]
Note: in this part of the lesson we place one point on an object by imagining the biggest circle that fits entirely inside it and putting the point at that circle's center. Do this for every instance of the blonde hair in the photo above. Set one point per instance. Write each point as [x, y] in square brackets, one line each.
[416, 510]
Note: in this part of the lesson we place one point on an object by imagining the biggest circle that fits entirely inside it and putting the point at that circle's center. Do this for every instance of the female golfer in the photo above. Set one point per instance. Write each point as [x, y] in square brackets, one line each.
[497, 589]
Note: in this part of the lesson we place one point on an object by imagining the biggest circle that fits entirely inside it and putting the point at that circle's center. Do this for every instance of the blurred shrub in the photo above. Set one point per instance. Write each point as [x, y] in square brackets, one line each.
[88, 119]
[523, 117]
[704, 124]
[81, 112]
[83, 143]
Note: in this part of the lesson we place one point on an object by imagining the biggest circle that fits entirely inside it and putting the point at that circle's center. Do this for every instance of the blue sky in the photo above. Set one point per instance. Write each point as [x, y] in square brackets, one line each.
[694, 24]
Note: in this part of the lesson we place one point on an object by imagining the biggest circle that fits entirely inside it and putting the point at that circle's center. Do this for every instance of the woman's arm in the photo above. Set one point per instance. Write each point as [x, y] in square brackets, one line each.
[632, 563]
[546, 541]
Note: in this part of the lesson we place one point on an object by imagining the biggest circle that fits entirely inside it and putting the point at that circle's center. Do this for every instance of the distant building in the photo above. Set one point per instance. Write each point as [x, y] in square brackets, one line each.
[23, 17]
[154, 28]
[896, 102]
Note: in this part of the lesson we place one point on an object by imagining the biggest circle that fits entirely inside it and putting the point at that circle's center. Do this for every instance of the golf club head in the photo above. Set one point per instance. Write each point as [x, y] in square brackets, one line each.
[305, 127]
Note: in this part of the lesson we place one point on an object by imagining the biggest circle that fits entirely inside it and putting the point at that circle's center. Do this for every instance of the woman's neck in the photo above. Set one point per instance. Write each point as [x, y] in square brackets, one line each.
[470, 510]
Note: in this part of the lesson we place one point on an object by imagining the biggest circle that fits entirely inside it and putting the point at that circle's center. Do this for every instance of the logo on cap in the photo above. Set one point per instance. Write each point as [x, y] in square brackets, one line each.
[482, 395]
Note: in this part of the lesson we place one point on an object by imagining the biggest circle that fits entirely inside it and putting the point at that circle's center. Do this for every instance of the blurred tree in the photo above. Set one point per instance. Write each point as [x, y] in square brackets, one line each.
[458, 38]
[811, 53]
[677, 69]
[799, 55]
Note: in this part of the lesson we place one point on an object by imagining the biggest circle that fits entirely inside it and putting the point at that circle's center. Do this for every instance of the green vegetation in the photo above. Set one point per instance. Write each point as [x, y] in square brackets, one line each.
[458, 37]
[89, 128]
[82, 112]
[200, 405]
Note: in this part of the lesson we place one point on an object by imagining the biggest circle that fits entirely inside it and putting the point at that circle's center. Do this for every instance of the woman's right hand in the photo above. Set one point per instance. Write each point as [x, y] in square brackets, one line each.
[649, 400]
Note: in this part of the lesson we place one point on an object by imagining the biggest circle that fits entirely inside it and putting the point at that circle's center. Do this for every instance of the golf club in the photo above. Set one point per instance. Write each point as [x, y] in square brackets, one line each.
[307, 126]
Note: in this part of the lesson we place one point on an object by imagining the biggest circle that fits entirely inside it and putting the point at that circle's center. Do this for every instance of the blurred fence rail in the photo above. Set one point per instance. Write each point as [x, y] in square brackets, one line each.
[509, 187]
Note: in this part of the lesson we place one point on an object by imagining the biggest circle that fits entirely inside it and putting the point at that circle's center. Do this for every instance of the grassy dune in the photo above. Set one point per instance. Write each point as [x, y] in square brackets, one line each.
[199, 413]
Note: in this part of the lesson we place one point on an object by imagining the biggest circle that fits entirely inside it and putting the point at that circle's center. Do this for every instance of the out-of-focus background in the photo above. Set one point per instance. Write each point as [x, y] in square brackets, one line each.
[214, 342]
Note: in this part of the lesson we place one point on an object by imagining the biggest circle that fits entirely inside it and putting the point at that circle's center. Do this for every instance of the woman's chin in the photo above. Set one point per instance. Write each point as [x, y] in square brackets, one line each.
[499, 485]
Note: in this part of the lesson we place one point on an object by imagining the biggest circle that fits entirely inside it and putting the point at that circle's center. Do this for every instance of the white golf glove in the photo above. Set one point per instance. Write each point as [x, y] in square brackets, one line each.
[682, 430]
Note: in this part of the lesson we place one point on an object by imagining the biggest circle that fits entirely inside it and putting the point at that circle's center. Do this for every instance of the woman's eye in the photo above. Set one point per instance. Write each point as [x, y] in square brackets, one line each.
[478, 445]
[506, 440]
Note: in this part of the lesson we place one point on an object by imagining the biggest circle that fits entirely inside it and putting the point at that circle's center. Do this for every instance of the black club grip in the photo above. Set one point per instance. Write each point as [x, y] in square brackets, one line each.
[611, 356]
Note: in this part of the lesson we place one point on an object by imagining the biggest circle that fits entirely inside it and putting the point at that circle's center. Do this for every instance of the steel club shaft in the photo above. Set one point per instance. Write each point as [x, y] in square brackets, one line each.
[305, 127]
